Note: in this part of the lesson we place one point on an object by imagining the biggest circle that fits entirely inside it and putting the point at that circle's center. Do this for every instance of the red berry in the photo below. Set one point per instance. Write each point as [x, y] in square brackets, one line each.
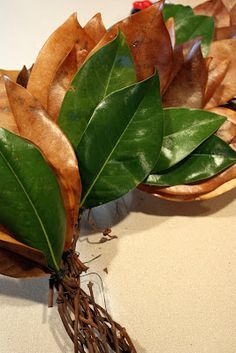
[137, 5]
[147, 4]
[140, 5]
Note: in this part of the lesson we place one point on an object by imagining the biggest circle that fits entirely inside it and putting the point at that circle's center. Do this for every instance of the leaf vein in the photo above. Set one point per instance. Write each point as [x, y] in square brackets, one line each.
[33, 207]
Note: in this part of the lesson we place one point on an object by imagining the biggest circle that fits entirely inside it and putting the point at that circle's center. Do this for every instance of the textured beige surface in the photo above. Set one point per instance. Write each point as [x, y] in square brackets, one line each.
[172, 271]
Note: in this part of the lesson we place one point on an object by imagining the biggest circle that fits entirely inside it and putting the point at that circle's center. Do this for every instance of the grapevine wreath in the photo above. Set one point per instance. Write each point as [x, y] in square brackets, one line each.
[148, 103]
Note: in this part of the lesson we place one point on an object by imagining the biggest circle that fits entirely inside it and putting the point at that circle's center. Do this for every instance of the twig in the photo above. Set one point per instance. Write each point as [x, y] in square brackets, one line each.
[89, 326]
[94, 258]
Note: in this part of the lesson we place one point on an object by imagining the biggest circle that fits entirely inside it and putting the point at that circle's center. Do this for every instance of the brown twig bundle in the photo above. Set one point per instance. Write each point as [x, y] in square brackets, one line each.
[88, 325]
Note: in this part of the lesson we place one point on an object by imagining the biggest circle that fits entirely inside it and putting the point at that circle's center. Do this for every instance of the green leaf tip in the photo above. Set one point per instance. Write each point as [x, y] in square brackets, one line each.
[209, 159]
[184, 130]
[107, 70]
[190, 26]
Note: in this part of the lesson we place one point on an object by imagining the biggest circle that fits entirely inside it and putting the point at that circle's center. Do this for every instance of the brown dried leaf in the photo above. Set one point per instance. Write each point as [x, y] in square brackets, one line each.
[227, 186]
[19, 260]
[177, 64]
[95, 28]
[14, 265]
[63, 77]
[23, 76]
[61, 84]
[188, 87]
[214, 8]
[149, 48]
[224, 50]
[51, 56]
[229, 31]
[81, 56]
[225, 33]
[233, 16]
[228, 113]
[84, 41]
[216, 72]
[155, 191]
[13, 74]
[35, 125]
[229, 4]
[227, 131]
[7, 120]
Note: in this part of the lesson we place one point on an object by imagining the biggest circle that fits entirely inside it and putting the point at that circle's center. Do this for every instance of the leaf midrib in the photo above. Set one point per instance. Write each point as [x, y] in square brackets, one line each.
[104, 96]
[110, 74]
[213, 155]
[107, 159]
[33, 207]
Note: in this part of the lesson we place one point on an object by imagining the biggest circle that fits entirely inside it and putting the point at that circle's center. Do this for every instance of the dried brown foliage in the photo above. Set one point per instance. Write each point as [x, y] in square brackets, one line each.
[187, 89]
[19, 260]
[7, 120]
[224, 50]
[215, 8]
[51, 56]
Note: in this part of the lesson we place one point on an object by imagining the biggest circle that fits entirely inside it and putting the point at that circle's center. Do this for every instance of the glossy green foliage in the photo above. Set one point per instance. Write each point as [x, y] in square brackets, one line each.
[122, 142]
[189, 26]
[184, 130]
[109, 69]
[31, 205]
[213, 156]
[196, 26]
[178, 12]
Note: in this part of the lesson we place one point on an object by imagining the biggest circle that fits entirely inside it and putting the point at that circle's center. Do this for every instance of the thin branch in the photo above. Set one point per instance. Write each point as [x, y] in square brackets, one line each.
[89, 326]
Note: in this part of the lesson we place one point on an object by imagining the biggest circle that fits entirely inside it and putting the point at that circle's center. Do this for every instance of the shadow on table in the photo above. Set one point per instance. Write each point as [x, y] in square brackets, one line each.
[150, 204]
[58, 331]
[34, 290]
[111, 214]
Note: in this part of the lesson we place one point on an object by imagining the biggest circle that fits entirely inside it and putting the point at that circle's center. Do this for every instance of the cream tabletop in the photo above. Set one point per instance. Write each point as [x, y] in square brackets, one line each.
[169, 277]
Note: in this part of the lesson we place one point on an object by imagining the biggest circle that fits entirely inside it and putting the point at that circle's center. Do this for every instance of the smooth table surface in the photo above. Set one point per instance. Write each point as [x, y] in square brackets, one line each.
[171, 277]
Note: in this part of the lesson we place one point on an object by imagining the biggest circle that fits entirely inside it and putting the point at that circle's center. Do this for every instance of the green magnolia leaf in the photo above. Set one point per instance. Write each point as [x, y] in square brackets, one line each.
[184, 130]
[122, 142]
[189, 26]
[31, 205]
[213, 156]
[178, 12]
[109, 69]
[196, 26]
